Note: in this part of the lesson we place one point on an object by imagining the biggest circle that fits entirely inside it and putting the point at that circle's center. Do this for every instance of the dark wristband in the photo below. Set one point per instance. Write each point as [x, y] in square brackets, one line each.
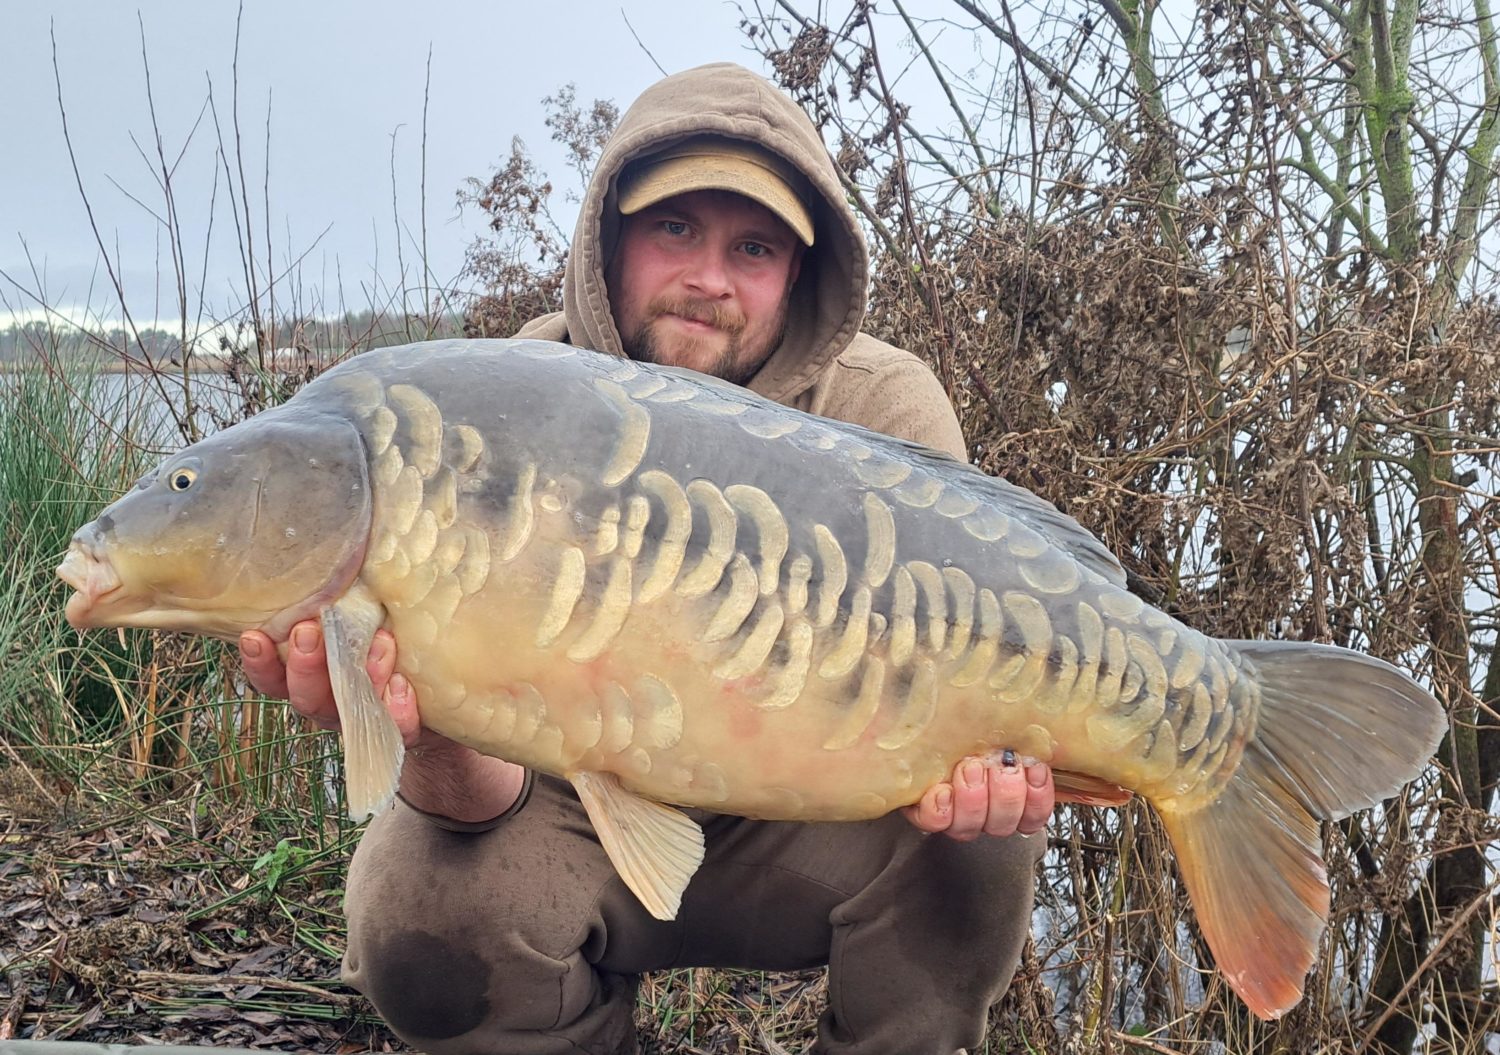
[476, 827]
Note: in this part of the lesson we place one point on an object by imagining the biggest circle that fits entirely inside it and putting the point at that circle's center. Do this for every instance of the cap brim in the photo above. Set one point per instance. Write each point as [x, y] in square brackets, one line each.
[683, 175]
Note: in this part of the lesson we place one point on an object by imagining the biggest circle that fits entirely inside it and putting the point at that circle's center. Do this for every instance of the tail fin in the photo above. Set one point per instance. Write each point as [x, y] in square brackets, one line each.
[1338, 731]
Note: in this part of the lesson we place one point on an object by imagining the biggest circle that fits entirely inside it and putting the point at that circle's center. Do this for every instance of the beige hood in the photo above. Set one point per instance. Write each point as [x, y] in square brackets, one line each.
[828, 301]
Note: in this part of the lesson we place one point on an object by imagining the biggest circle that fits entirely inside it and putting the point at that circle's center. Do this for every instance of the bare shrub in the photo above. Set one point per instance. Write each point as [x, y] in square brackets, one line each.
[517, 266]
[1209, 289]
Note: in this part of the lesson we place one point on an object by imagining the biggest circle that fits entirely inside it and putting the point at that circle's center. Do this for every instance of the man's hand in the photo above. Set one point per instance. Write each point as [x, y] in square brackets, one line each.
[440, 776]
[303, 680]
[993, 796]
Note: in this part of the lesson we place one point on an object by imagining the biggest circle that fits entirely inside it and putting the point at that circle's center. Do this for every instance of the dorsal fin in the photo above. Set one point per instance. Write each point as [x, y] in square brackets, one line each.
[1011, 499]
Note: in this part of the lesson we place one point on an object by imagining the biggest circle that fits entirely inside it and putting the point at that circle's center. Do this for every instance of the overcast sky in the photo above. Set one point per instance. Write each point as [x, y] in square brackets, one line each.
[340, 78]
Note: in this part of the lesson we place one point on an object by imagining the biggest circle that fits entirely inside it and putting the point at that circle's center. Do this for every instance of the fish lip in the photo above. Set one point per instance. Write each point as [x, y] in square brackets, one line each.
[92, 577]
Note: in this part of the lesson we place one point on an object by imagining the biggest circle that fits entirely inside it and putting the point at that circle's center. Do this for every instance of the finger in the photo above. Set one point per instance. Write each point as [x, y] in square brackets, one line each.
[381, 663]
[307, 682]
[263, 668]
[401, 700]
[1007, 799]
[1041, 797]
[934, 811]
[971, 800]
[397, 693]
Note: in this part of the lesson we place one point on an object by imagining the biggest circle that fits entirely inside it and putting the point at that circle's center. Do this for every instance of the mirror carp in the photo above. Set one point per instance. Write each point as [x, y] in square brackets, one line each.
[673, 592]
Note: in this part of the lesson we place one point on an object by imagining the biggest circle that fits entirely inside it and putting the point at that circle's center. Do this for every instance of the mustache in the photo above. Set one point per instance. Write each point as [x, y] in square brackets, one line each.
[720, 318]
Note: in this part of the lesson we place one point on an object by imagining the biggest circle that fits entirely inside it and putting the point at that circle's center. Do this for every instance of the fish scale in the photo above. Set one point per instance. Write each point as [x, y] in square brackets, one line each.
[670, 591]
[740, 540]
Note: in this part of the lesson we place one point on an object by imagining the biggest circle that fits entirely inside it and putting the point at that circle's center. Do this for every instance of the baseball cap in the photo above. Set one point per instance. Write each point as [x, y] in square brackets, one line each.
[717, 163]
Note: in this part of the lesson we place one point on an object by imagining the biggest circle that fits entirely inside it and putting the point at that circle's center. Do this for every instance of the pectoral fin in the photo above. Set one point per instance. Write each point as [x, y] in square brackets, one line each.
[655, 848]
[372, 744]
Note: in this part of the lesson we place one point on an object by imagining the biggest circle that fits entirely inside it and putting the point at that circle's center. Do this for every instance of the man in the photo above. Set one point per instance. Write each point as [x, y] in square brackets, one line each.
[483, 915]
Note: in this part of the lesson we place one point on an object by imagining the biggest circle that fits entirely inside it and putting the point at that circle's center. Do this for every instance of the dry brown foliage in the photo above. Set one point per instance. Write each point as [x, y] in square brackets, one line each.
[1126, 258]
[141, 923]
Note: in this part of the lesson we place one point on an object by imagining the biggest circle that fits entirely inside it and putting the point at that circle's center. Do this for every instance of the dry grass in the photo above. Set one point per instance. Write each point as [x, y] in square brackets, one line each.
[152, 917]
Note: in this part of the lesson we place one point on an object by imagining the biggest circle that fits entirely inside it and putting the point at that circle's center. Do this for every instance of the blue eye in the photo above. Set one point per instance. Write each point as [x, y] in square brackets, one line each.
[674, 226]
[756, 250]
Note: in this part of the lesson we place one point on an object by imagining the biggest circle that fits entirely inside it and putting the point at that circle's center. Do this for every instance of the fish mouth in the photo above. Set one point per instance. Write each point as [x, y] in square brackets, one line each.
[93, 579]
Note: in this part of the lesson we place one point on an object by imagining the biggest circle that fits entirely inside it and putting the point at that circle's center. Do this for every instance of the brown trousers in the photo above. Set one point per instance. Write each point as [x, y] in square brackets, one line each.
[522, 940]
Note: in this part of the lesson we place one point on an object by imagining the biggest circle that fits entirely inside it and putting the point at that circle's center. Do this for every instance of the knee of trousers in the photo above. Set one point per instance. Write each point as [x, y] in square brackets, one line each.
[957, 911]
[461, 939]
[920, 955]
[985, 902]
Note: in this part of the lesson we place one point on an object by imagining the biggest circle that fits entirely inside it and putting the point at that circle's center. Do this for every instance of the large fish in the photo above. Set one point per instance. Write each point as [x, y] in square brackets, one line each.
[668, 590]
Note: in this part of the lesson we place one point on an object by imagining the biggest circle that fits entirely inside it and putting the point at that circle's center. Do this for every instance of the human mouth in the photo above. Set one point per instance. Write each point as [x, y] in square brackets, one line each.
[691, 324]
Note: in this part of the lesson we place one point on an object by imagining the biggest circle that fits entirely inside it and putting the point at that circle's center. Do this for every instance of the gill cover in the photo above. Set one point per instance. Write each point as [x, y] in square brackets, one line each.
[257, 526]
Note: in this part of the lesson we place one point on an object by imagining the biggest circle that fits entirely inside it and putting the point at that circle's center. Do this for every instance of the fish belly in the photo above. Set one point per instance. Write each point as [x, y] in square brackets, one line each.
[563, 681]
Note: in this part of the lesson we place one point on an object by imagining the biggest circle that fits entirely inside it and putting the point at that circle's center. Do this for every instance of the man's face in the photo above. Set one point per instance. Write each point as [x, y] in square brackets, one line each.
[702, 281]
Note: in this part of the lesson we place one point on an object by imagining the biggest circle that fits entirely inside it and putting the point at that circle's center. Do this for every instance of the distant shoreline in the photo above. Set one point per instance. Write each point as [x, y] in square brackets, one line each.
[198, 365]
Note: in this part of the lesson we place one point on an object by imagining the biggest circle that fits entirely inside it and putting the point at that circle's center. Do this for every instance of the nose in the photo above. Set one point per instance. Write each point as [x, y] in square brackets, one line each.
[87, 569]
[90, 537]
[706, 274]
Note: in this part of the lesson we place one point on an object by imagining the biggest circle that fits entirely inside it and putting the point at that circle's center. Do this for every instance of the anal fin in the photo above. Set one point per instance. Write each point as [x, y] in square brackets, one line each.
[655, 848]
[372, 744]
[1087, 790]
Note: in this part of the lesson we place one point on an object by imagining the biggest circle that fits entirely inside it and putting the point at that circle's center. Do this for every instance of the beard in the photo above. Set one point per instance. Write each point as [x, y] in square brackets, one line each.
[722, 354]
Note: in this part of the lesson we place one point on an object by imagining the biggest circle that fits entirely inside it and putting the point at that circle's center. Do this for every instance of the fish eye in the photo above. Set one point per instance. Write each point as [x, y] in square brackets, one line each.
[181, 479]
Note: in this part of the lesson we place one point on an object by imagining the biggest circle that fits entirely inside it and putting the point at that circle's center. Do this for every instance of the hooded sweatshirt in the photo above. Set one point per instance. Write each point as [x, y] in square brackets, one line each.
[824, 364]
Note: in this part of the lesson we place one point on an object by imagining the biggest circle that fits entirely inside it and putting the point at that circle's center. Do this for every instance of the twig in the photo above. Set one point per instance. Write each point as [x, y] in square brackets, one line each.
[14, 1009]
[213, 981]
[188, 421]
[936, 156]
[1141, 1042]
[265, 196]
[1031, 198]
[396, 223]
[963, 120]
[24, 768]
[1064, 84]
[422, 200]
[642, 45]
[1415, 976]
[248, 254]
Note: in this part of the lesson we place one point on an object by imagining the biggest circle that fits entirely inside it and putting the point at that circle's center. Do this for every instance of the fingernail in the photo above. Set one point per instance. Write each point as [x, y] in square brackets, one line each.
[1008, 758]
[377, 649]
[974, 774]
[1037, 775]
[250, 647]
[944, 799]
[398, 685]
[305, 639]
